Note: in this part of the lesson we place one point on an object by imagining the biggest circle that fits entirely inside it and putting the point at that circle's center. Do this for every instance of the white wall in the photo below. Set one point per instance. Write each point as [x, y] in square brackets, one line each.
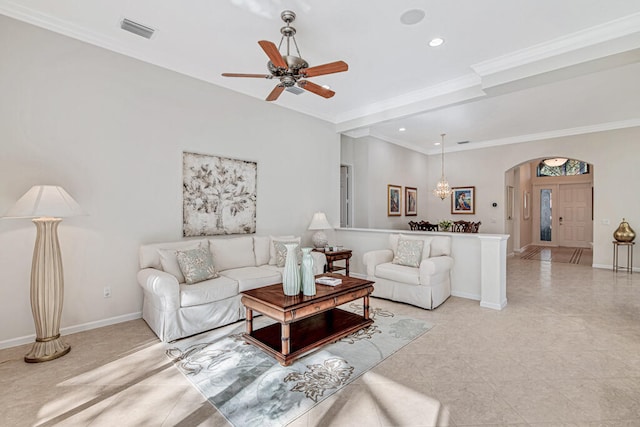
[111, 131]
[376, 164]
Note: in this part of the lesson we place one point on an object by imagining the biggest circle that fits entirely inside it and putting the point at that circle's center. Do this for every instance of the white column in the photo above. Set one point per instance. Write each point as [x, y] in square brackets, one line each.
[493, 271]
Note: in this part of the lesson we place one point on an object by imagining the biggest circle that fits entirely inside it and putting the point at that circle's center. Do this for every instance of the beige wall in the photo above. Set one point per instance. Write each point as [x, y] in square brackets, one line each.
[111, 131]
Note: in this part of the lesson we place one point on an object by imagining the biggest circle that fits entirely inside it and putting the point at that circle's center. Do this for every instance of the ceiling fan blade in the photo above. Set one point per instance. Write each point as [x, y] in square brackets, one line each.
[317, 89]
[330, 68]
[273, 53]
[275, 93]
[257, 76]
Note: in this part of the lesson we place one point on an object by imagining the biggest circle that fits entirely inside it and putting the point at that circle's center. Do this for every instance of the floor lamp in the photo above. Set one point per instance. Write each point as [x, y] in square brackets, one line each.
[46, 204]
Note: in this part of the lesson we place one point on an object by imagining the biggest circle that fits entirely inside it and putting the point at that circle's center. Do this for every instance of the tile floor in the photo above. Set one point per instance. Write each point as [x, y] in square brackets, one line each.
[564, 352]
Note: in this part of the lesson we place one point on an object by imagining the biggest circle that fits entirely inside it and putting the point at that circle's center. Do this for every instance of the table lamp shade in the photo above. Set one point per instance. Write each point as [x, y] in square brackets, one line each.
[319, 222]
[45, 201]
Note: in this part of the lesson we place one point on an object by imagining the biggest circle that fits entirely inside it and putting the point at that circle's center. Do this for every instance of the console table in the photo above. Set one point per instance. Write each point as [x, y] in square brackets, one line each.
[332, 256]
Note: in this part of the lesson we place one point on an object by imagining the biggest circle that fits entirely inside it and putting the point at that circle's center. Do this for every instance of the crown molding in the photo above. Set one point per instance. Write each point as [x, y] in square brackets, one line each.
[591, 36]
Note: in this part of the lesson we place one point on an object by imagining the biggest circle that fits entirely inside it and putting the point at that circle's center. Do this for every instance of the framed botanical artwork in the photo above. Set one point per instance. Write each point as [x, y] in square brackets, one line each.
[463, 200]
[394, 200]
[410, 201]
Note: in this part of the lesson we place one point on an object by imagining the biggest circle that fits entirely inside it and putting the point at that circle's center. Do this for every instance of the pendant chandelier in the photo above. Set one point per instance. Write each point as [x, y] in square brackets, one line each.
[442, 189]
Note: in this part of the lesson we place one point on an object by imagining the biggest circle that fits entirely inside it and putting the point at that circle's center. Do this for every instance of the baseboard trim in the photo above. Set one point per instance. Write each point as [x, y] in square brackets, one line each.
[466, 295]
[14, 342]
[493, 306]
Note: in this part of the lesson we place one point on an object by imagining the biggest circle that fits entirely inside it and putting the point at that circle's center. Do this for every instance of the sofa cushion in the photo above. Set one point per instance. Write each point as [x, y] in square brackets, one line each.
[169, 261]
[409, 252]
[252, 277]
[196, 265]
[426, 247]
[398, 273]
[231, 253]
[207, 291]
[272, 248]
[281, 253]
[261, 249]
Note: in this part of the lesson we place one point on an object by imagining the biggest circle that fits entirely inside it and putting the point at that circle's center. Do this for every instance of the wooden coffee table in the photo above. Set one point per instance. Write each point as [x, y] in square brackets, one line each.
[305, 322]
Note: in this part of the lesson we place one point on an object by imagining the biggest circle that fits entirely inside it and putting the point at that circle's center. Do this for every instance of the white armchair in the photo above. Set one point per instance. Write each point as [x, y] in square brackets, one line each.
[428, 285]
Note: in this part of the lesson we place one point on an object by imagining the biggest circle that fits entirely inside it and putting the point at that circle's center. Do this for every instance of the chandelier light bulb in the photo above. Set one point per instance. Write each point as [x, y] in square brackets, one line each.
[442, 190]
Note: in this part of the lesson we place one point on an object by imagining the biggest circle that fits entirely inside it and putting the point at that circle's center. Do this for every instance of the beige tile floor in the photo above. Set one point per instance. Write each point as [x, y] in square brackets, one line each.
[564, 352]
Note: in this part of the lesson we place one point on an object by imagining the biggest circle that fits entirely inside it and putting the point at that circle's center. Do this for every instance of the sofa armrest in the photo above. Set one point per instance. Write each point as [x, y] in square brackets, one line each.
[373, 258]
[433, 266]
[319, 261]
[162, 286]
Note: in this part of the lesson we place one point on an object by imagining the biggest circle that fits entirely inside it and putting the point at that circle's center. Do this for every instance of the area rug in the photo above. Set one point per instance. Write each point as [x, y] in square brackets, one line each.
[250, 388]
[580, 256]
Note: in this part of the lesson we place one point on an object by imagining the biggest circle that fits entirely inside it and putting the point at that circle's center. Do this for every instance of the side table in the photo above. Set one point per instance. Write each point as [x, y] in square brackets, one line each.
[332, 256]
[616, 246]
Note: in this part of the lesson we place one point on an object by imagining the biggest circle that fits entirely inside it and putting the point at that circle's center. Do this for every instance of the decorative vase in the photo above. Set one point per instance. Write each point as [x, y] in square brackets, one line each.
[306, 271]
[624, 233]
[291, 272]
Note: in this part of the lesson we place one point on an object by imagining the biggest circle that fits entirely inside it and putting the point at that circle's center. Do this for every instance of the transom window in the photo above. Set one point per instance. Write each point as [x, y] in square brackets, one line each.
[569, 168]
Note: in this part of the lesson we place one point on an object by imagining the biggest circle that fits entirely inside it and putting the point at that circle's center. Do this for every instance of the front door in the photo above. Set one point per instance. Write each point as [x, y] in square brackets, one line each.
[575, 227]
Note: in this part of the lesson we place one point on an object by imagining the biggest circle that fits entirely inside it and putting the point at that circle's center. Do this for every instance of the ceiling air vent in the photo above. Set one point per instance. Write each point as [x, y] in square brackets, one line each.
[138, 29]
[295, 90]
[463, 142]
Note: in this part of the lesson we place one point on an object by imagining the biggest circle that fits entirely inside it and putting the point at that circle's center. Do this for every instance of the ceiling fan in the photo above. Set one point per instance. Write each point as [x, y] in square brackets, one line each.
[290, 69]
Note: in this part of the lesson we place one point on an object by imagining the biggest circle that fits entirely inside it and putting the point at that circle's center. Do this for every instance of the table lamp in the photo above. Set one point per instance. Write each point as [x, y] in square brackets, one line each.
[319, 222]
[46, 204]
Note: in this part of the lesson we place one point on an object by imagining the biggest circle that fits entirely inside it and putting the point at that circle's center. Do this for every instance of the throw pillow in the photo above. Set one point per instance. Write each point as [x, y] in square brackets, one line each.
[272, 245]
[196, 265]
[281, 253]
[409, 253]
[169, 262]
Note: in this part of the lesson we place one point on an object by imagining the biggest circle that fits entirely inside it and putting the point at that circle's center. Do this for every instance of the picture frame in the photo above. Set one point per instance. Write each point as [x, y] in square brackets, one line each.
[463, 200]
[410, 201]
[394, 200]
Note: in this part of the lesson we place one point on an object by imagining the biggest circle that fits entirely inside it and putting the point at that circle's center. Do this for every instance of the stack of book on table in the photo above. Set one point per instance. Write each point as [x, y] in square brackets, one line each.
[331, 281]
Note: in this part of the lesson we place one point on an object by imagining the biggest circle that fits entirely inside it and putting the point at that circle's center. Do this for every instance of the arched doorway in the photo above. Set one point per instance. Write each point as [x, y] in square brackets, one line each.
[551, 205]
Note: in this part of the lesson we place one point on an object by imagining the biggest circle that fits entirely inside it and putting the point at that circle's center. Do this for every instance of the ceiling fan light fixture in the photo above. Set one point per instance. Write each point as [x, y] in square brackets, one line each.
[555, 161]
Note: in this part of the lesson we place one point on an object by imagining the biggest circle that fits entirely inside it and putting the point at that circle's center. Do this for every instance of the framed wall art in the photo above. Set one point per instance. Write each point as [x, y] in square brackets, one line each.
[394, 200]
[463, 200]
[410, 201]
[218, 195]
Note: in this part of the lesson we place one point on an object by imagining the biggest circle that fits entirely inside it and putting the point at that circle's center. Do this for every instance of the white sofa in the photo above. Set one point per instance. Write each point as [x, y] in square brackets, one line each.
[175, 310]
[426, 286]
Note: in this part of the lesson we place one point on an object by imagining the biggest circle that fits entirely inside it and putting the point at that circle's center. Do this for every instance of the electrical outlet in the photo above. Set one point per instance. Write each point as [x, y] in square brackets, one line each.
[107, 292]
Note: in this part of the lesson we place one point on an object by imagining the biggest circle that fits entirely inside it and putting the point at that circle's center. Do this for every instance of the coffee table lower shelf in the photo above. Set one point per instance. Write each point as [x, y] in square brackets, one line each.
[307, 334]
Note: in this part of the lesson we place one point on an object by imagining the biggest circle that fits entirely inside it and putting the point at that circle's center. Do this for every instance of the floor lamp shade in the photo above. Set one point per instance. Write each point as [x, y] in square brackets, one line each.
[46, 204]
[319, 222]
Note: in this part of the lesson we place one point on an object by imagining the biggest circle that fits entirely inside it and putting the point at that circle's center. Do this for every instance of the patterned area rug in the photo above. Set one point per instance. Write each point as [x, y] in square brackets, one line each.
[250, 388]
[581, 256]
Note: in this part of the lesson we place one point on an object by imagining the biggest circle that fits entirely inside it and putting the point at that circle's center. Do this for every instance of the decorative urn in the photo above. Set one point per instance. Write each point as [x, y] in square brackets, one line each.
[624, 233]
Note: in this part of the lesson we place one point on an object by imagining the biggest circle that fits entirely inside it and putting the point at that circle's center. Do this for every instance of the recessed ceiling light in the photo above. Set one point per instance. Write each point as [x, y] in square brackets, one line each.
[436, 42]
[402, 129]
[412, 16]
[436, 143]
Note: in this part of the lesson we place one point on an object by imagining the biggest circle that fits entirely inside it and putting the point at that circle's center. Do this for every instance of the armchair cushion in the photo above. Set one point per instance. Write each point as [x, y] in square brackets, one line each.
[372, 259]
[398, 273]
[409, 252]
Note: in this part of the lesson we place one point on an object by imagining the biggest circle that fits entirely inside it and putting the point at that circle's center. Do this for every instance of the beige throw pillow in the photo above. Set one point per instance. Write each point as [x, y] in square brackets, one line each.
[196, 265]
[281, 253]
[409, 253]
[169, 262]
